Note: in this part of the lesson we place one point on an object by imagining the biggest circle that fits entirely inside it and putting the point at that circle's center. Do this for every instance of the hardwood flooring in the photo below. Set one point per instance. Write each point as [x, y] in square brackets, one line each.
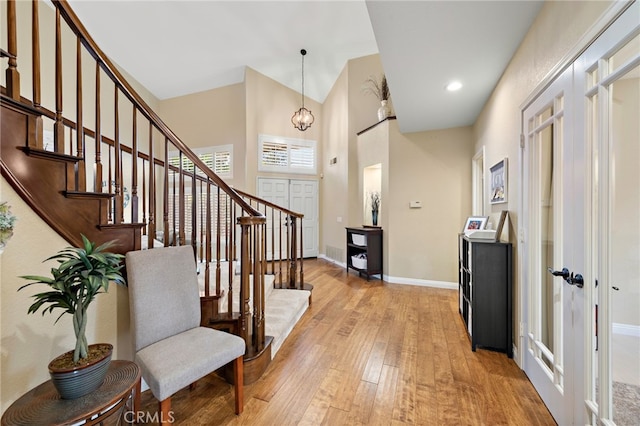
[371, 353]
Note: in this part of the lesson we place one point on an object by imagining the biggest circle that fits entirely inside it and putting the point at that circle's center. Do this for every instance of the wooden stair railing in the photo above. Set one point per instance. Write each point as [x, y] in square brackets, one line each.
[129, 174]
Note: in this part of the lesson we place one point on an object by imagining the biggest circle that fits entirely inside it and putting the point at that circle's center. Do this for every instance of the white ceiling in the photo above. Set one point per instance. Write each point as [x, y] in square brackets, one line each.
[179, 47]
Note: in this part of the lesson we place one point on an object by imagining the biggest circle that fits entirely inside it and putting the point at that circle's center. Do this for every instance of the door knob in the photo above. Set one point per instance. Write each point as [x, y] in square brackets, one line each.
[577, 280]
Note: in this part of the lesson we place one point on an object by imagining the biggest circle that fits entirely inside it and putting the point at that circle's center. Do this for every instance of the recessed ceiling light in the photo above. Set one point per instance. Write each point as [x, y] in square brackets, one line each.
[453, 86]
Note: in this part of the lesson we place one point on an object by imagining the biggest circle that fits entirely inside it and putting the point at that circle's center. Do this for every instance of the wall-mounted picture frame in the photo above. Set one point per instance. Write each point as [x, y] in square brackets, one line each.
[475, 223]
[499, 182]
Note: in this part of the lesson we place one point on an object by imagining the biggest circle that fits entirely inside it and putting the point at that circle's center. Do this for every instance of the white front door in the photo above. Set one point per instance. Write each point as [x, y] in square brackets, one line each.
[553, 214]
[300, 196]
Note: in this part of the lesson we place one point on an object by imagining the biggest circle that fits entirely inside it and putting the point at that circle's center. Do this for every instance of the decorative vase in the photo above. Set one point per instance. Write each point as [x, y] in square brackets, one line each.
[74, 382]
[374, 217]
[384, 111]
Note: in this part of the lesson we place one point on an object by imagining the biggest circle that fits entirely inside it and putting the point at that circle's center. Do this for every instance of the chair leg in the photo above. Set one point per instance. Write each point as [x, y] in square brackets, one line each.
[166, 417]
[238, 376]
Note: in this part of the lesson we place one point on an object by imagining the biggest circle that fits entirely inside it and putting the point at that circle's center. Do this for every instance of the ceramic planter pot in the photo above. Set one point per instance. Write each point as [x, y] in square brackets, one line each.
[78, 381]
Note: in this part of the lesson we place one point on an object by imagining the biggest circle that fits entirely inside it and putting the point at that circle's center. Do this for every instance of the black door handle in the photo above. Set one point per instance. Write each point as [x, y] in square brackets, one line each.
[564, 273]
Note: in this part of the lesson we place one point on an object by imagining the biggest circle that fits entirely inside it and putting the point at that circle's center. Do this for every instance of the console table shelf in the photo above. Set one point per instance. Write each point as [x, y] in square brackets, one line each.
[485, 293]
[367, 241]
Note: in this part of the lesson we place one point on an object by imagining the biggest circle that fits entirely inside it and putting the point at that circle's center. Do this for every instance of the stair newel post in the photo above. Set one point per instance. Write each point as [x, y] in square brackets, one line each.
[152, 189]
[117, 157]
[258, 287]
[58, 127]
[134, 165]
[12, 74]
[294, 252]
[35, 72]
[80, 171]
[110, 184]
[98, 136]
[245, 271]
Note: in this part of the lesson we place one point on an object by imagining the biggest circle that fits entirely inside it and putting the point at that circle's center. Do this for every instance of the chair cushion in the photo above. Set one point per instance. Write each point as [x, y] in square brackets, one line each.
[177, 361]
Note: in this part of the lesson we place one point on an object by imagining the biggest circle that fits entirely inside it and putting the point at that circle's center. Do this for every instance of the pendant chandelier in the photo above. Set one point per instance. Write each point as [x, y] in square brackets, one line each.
[302, 119]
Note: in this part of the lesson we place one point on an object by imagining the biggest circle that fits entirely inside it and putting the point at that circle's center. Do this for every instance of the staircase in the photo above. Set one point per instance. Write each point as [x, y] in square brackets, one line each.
[115, 171]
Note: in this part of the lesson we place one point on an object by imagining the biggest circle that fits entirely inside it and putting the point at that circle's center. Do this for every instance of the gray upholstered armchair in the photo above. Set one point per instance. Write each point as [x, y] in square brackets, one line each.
[171, 348]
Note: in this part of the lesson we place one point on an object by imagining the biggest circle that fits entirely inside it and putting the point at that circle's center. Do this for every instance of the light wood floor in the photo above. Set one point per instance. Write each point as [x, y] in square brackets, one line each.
[372, 353]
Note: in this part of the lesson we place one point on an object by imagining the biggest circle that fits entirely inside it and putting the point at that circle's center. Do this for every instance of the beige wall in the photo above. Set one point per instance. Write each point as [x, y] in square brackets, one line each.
[556, 30]
[211, 118]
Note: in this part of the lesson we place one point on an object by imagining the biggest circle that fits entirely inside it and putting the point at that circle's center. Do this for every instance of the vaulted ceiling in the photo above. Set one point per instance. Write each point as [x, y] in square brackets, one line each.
[178, 47]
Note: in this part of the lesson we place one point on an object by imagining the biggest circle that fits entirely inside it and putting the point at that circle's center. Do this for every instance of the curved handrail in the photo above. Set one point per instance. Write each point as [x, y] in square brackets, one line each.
[107, 66]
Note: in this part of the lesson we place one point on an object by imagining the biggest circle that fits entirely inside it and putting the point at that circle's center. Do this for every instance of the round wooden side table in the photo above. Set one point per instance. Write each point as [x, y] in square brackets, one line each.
[42, 405]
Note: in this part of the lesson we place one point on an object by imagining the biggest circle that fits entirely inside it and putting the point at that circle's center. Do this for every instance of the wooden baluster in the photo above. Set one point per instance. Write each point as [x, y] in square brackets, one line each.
[36, 77]
[273, 241]
[174, 213]
[280, 249]
[207, 268]
[181, 202]
[152, 189]
[58, 127]
[110, 184]
[165, 202]
[218, 237]
[12, 74]
[294, 253]
[134, 164]
[301, 255]
[194, 214]
[145, 230]
[98, 137]
[288, 253]
[264, 244]
[80, 171]
[118, 214]
[202, 221]
[232, 251]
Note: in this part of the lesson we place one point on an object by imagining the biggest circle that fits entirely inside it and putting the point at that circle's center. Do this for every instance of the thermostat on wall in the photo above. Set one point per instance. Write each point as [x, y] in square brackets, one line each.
[415, 204]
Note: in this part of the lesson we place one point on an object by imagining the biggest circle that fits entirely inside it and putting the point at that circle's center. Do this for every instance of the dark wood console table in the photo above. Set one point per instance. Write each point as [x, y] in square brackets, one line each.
[42, 405]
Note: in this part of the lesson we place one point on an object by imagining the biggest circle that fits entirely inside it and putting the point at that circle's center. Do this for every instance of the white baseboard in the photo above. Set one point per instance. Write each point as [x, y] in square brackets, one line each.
[328, 259]
[402, 280]
[626, 329]
[421, 283]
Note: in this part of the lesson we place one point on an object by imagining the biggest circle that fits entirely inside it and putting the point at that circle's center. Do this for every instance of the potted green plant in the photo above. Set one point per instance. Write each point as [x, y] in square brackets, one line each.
[7, 222]
[380, 89]
[82, 273]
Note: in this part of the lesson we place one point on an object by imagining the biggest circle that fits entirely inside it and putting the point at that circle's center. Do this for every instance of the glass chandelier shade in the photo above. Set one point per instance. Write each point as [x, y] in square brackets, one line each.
[302, 119]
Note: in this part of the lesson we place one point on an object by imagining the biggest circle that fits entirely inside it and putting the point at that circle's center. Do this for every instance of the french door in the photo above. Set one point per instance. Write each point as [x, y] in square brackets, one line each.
[581, 233]
[553, 250]
[298, 195]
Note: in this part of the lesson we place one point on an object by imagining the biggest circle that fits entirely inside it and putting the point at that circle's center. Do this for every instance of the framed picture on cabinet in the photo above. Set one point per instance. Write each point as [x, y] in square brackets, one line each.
[475, 223]
[499, 182]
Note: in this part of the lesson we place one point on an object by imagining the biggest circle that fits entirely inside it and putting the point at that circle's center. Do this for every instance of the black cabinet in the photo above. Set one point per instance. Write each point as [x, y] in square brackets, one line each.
[485, 293]
[364, 250]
